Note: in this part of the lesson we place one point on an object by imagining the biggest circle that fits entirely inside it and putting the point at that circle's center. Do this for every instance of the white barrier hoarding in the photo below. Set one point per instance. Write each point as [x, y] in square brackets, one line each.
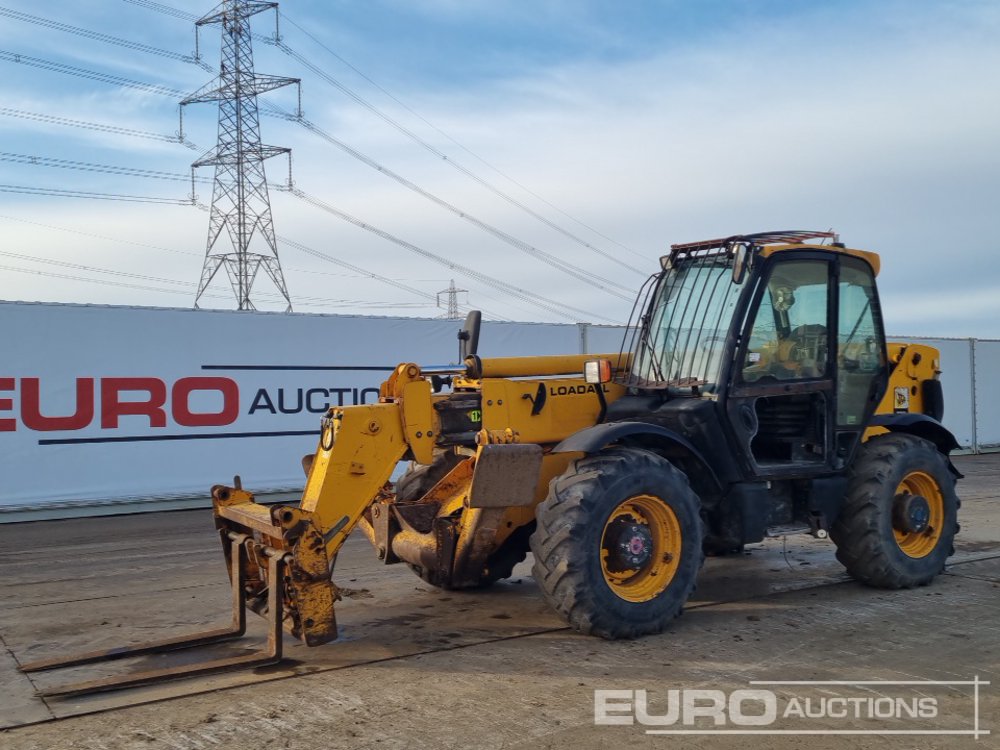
[987, 355]
[956, 381]
[110, 405]
[107, 404]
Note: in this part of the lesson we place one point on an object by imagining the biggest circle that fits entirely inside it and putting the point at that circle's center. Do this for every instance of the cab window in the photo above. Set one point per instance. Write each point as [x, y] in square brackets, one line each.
[788, 339]
[860, 352]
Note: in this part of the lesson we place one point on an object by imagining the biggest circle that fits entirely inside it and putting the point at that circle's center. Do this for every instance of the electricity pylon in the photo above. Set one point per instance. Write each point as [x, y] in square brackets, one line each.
[241, 204]
[452, 304]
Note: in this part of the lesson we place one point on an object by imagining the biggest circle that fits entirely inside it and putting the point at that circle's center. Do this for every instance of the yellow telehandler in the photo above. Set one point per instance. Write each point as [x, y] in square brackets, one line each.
[754, 395]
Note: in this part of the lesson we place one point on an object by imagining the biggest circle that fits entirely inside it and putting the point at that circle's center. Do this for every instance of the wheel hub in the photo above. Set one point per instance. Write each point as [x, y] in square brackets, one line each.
[911, 514]
[631, 548]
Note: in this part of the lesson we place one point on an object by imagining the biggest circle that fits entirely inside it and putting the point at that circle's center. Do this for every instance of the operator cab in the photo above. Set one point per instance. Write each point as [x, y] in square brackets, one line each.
[779, 337]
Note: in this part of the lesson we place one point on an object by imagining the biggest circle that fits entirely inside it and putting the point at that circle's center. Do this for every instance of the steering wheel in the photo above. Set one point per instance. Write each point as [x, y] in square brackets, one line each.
[807, 348]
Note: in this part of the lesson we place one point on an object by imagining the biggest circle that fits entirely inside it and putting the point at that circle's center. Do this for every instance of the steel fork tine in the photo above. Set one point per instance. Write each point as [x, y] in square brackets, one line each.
[269, 655]
[236, 629]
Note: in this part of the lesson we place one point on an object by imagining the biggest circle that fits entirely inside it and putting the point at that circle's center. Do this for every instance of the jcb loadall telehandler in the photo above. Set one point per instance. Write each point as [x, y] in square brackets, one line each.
[755, 395]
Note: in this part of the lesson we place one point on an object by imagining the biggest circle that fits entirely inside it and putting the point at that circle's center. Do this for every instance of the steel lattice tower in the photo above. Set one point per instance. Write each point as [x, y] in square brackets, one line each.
[453, 311]
[241, 204]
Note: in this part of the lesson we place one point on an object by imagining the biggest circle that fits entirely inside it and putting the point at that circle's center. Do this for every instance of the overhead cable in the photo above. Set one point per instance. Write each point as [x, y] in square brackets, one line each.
[165, 9]
[585, 276]
[548, 305]
[101, 37]
[85, 166]
[595, 280]
[94, 75]
[456, 142]
[96, 126]
[187, 286]
[177, 13]
[302, 60]
[384, 279]
[59, 193]
[358, 271]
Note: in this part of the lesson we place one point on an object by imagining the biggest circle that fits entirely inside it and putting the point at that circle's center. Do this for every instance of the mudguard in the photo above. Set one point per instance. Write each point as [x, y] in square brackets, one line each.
[592, 439]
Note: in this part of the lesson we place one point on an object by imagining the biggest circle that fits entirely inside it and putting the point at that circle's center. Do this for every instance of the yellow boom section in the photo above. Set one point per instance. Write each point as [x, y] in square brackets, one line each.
[359, 447]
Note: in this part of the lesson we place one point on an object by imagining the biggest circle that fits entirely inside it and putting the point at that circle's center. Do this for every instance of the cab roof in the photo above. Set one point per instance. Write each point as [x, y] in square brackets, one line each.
[767, 243]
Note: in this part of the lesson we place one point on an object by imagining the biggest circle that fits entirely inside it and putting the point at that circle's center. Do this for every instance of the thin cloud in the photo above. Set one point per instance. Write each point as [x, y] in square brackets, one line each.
[873, 119]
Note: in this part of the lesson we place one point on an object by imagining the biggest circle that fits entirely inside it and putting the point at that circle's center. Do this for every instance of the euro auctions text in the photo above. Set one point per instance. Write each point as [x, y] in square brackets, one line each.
[807, 707]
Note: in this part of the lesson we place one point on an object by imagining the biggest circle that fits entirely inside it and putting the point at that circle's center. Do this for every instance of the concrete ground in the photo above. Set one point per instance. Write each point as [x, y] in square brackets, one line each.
[421, 668]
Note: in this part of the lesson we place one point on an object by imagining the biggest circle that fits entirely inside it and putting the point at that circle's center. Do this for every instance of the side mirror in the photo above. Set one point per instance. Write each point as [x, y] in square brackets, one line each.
[741, 258]
[468, 337]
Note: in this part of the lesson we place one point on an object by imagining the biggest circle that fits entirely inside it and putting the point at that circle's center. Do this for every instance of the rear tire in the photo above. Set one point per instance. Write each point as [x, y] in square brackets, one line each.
[886, 536]
[618, 543]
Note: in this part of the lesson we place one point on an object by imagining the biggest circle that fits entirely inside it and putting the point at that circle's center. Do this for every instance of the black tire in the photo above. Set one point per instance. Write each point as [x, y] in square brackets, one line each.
[419, 478]
[415, 483]
[571, 535]
[864, 533]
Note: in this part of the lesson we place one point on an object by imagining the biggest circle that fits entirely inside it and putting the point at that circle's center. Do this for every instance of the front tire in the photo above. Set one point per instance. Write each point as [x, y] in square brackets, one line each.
[898, 525]
[618, 543]
[416, 482]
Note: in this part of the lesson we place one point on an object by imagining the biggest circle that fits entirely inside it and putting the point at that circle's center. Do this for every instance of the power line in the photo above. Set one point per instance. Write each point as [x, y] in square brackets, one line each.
[88, 166]
[160, 290]
[384, 279]
[165, 9]
[100, 37]
[549, 305]
[93, 269]
[59, 193]
[529, 297]
[85, 166]
[161, 248]
[94, 75]
[582, 275]
[177, 13]
[105, 282]
[594, 280]
[457, 143]
[444, 157]
[96, 126]
[188, 287]
[357, 270]
[330, 259]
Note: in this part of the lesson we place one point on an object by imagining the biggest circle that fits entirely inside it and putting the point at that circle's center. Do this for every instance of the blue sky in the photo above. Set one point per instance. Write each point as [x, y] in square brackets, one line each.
[650, 122]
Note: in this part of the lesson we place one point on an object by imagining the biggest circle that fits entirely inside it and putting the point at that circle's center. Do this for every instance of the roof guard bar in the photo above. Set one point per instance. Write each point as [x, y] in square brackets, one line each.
[790, 236]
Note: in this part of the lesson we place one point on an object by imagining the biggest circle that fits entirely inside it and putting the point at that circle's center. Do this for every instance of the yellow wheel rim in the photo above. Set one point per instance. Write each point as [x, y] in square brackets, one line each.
[919, 544]
[640, 548]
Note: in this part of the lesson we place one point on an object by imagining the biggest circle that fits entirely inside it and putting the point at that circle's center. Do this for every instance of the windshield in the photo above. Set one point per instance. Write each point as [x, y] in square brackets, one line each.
[683, 338]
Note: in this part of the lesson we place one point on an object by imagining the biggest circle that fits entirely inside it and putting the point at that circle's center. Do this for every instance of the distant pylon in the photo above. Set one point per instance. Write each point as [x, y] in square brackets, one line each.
[452, 305]
[241, 204]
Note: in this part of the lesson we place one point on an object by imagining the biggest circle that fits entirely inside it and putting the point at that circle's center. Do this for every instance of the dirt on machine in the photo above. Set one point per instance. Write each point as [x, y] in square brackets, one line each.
[754, 395]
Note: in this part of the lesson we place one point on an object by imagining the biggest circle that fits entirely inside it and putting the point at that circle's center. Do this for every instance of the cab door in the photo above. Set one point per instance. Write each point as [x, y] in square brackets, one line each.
[861, 372]
[782, 395]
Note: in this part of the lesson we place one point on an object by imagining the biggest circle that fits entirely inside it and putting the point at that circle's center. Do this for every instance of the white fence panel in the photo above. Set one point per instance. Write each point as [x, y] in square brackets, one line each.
[604, 339]
[956, 381]
[988, 394]
[102, 404]
[109, 404]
